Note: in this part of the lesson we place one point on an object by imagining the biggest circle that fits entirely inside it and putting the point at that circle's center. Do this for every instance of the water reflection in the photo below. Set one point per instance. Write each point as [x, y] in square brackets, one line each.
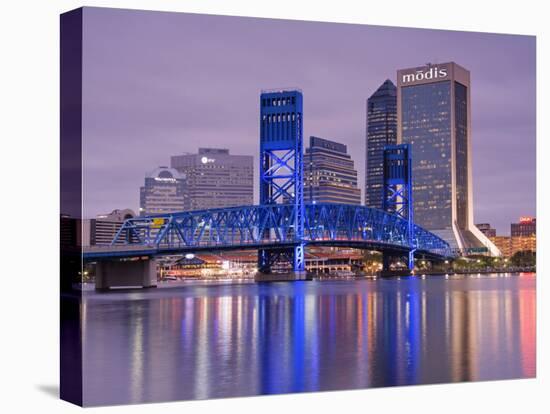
[235, 340]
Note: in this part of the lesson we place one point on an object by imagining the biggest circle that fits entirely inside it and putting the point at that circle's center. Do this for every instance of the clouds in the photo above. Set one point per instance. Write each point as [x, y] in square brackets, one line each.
[158, 84]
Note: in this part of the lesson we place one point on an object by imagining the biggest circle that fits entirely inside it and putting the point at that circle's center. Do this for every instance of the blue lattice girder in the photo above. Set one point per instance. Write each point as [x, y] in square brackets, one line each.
[273, 225]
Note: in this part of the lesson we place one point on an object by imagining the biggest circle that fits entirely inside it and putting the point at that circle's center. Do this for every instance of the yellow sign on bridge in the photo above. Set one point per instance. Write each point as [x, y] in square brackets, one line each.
[158, 223]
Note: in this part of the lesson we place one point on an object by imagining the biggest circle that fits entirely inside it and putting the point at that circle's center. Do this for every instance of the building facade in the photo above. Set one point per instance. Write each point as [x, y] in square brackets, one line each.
[101, 231]
[381, 130]
[510, 245]
[524, 235]
[216, 178]
[486, 229]
[523, 243]
[164, 191]
[434, 116]
[330, 174]
[105, 226]
[527, 226]
[504, 244]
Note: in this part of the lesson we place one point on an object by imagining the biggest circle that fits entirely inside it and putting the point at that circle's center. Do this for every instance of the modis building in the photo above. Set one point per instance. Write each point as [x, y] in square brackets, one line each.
[433, 115]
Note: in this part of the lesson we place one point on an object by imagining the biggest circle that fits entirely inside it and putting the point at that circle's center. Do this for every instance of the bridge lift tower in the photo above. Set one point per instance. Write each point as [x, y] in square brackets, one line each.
[281, 172]
[397, 192]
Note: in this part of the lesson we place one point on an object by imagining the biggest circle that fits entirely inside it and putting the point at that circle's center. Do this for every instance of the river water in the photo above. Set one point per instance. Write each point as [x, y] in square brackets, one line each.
[209, 341]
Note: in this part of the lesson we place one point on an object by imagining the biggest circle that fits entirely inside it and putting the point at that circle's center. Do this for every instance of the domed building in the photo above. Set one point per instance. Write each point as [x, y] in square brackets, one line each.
[164, 191]
[117, 215]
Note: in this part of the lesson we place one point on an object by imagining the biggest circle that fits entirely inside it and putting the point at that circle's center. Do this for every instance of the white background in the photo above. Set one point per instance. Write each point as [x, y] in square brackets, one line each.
[29, 119]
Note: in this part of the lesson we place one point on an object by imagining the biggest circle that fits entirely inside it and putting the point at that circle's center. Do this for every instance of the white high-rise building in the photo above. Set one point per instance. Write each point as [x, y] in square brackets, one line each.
[434, 116]
[216, 178]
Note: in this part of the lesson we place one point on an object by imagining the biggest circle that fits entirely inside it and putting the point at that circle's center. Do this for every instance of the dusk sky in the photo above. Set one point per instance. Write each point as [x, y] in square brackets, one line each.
[158, 84]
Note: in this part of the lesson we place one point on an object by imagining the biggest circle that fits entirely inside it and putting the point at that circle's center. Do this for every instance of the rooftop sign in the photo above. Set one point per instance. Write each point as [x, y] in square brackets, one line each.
[425, 74]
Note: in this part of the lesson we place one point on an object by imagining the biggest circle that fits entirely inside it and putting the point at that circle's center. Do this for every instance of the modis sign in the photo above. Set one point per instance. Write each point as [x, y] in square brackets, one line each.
[432, 72]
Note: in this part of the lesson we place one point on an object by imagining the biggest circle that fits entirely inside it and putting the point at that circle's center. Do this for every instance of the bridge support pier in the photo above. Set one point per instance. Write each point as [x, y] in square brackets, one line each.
[279, 277]
[125, 273]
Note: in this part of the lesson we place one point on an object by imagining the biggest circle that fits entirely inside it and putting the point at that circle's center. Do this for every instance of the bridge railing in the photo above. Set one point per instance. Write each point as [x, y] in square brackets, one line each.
[273, 224]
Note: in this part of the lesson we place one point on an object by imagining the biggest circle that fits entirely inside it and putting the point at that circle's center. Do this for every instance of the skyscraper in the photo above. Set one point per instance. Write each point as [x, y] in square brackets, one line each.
[330, 175]
[216, 178]
[433, 115]
[164, 191]
[381, 131]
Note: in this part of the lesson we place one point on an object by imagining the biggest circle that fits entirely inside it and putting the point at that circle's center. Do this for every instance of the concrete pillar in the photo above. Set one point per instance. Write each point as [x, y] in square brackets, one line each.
[280, 277]
[126, 273]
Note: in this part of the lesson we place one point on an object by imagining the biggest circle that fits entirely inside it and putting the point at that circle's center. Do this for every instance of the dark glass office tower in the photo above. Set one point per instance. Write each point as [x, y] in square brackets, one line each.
[381, 131]
[330, 175]
[433, 115]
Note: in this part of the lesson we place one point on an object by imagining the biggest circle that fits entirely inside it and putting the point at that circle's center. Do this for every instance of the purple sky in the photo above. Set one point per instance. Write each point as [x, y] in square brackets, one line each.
[158, 84]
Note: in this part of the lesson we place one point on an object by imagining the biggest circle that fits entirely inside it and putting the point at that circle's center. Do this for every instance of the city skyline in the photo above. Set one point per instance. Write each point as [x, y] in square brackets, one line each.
[138, 92]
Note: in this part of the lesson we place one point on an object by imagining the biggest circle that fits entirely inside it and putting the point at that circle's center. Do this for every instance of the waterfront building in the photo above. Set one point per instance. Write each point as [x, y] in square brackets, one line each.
[330, 174]
[164, 191]
[510, 245]
[486, 229]
[336, 262]
[434, 116]
[105, 226]
[216, 178]
[527, 226]
[101, 231]
[504, 244]
[381, 130]
[232, 265]
[523, 243]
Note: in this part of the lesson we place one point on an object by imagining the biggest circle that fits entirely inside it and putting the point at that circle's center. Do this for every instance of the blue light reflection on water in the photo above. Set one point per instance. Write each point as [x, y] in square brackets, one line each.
[199, 342]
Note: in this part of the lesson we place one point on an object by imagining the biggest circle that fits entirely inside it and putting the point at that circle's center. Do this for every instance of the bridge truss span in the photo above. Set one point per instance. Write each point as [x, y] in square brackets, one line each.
[273, 226]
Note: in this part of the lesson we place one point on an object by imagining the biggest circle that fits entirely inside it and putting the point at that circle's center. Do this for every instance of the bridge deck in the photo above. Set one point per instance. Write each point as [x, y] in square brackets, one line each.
[92, 253]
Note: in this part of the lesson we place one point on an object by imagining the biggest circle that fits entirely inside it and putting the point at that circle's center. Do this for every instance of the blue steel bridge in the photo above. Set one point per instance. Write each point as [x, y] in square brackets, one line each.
[269, 227]
[283, 224]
